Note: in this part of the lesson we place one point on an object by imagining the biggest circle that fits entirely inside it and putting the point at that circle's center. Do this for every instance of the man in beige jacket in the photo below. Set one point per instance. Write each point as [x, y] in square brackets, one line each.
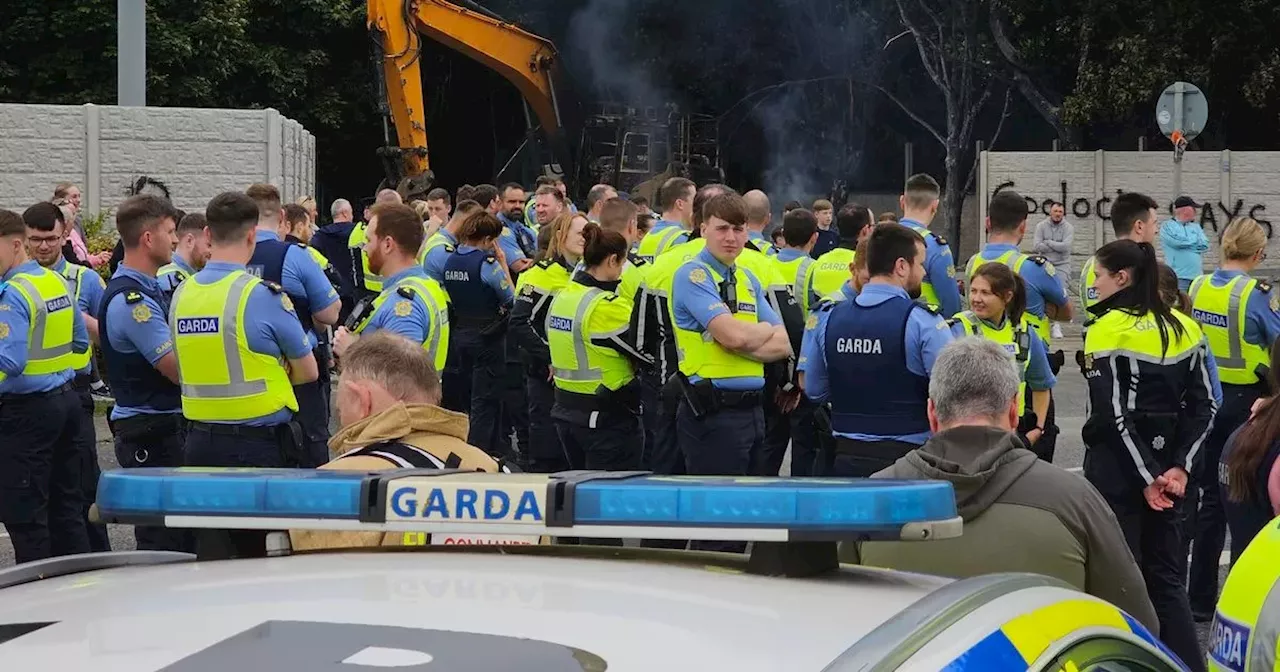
[387, 401]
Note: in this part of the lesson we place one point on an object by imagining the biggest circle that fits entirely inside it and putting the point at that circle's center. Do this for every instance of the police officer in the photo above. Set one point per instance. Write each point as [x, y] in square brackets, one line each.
[231, 331]
[1151, 406]
[1046, 297]
[997, 311]
[46, 233]
[455, 382]
[411, 304]
[42, 336]
[1131, 219]
[675, 198]
[831, 270]
[368, 284]
[295, 229]
[759, 213]
[1245, 634]
[1240, 321]
[534, 292]
[512, 217]
[315, 302]
[882, 340]
[919, 206]
[479, 287]
[190, 255]
[597, 396]
[137, 346]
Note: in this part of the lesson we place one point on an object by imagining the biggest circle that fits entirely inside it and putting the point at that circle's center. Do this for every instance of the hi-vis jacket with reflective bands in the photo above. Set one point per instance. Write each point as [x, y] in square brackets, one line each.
[661, 240]
[1014, 260]
[223, 381]
[700, 354]
[1151, 406]
[535, 288]
[588, 332]
[51, 329]
[73, 275]
[1245, 634]
[1089, 274]
[363, 277]
[1015, 339]
[799, 273]
[830, 272]
[435, 303]
[1221, 313]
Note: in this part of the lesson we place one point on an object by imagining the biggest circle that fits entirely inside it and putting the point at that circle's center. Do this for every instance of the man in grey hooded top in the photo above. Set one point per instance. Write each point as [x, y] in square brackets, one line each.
[1021, 514]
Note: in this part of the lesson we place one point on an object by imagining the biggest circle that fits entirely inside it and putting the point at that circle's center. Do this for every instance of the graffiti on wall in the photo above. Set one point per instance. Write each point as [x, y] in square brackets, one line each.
[1083, 208]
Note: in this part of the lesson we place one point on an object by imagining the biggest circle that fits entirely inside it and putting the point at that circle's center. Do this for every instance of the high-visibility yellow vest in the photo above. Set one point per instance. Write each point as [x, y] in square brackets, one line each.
[73, 275]
[222, 379]
[1014, 260]
[437, 308]
[798, 273]
[577, 314]
[321, 260]
[436, 240]
[657, 242]
[1089, 275]
[831, 271]
[170, 269]
[1120, 331]
[1220, 312]
[52, 327]
[1016, 341]
[1245, 632]
[700, 354]
[371, 281]
[927, 292]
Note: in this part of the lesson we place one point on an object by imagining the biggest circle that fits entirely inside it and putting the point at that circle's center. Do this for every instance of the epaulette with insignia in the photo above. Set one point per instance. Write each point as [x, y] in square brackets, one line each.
[273, 286]
[406, 292]
[611, 297]
[490, 259]
[1038, 259]
[545, 264]
[1264, 286]
[635, 259]
[938, 237]
[132, 297]
[825, 304]
[932, 310]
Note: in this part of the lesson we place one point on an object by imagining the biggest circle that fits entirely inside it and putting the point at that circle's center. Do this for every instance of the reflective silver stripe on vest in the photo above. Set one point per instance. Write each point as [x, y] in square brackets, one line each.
[72, 281]
[583, 372]
[236, 386]
[801, 288]
[971, 320]
[35, 344]
[435, 321]
[1235, 357]
[1262, 646]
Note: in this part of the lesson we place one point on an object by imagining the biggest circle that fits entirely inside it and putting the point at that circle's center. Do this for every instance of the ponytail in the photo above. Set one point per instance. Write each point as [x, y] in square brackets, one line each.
[1004, 281]
[1143, 294]
[600, 245]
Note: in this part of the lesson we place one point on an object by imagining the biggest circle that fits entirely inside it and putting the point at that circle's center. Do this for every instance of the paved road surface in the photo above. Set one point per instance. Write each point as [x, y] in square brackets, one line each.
[1070, 397]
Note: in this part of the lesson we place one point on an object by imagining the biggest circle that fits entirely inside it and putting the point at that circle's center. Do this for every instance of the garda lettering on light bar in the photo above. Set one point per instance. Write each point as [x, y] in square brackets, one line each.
[443, 499]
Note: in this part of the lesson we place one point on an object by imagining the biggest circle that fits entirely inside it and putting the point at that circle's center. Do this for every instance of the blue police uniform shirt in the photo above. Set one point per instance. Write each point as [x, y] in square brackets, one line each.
[939, 270]
[520, 234]
[302, 276]
[697, 303]
[150, 338]
[493, 276]
[925, 337]
[15, 317]
[438, 256]
[269, 327]
[1039, 376]
[88, 298]
[413, 326]
[170, 281]
[1042, 288]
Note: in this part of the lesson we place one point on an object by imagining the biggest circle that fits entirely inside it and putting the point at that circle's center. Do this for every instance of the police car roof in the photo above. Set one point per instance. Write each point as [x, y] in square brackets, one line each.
[494, 608]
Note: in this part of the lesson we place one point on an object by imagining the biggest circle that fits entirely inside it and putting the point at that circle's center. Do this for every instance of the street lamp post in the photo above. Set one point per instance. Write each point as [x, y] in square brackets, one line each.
[131, 60]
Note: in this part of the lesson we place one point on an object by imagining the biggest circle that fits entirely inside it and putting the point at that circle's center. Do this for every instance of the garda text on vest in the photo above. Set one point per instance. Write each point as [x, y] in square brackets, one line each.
[1228, 643]
[457, 276]
[858, 346]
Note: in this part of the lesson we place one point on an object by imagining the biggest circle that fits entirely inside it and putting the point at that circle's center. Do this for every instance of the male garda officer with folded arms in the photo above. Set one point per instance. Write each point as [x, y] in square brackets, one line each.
[870, 357]
[725, 331]
[315, 301]
[232, 331]
[411, 304]
[41, 332]
[138, 348]
[46, 232]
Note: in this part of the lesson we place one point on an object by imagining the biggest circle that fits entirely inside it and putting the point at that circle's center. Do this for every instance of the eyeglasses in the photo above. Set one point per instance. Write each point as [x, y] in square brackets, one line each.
[44, 241]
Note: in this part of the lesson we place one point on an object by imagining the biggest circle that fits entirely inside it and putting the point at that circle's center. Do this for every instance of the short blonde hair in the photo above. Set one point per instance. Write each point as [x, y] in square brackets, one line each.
[400, 366]
[1243, 238]
[822, 205]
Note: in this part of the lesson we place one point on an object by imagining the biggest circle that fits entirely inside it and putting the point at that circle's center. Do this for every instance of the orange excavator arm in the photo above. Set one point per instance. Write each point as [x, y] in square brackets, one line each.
[522, 58]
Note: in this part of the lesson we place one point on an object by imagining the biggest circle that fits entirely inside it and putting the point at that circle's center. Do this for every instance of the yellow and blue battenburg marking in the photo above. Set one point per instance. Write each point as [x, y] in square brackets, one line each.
[433, 500]
[1021, 641]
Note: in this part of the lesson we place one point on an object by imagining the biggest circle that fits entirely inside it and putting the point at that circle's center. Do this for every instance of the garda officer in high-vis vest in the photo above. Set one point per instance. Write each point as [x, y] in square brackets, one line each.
[593, 353]
[725, 330]
[831, 271]
[919, 206]
[675, 199]
[46, 233]
[1245, 634]
[800, 234]
[881, 340]
[411, 304]
[188, 257]
[241, 350]
[315, 302]
[137, 346]
[479, 288]
[759, 212]
[368, 284]
[1238, 314]
[1133, 217]
[42, 337]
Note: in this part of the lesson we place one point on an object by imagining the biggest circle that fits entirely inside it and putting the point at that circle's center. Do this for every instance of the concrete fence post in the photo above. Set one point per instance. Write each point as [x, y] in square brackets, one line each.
[274, 147]
[1099, 191]
[92, 158]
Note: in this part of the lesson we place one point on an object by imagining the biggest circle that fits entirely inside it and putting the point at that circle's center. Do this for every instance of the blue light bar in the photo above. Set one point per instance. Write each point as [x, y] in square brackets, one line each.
[231, 492]
[797, 504]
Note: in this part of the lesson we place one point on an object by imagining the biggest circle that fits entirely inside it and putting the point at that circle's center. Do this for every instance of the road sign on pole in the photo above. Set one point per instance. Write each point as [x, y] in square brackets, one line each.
[1181, 112]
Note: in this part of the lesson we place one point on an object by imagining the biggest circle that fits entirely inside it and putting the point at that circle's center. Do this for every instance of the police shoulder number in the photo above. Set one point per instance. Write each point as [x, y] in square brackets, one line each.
[406, 292]
[132, 297]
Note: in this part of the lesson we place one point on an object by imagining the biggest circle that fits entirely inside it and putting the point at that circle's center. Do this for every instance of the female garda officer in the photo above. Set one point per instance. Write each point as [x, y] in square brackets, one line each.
[1240, 322]
[1151, 405]
[1249, 472]
[997, 311]
[479, 288]
[537, 287]
[1246, 625]
[597, 394]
